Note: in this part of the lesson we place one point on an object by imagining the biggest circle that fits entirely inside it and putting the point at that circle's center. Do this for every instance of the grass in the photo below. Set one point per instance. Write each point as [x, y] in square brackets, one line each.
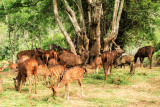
[140, 89]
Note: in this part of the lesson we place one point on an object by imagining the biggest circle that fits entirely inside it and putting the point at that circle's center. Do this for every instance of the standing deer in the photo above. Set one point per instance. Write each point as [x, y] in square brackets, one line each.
[96, 64]
[72, 74]
[109, 58]
[3, 67]
[27, 69]
[143, 52]
[12, 67]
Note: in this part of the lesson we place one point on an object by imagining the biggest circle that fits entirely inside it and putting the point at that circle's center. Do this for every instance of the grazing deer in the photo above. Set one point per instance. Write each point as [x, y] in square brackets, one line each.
[109, 58]
[143, 52]
[72, 74]
[57, 71]
[12, 67]
[96, 64]
[27, 69]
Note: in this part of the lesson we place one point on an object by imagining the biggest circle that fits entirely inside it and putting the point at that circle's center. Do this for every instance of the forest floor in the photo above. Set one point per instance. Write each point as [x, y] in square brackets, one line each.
[141, 89]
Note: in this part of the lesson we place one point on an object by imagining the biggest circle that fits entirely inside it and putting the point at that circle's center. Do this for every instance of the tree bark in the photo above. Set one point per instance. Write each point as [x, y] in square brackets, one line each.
[80, 30]
[115, 25]
[72, 48]
[25, 40]
[9, 34]
[94, 14]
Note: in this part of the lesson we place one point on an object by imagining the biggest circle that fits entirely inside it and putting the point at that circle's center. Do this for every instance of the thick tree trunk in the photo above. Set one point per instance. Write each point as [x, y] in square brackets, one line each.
[80, 30]
[95, 12]
[72, 47]
[115, 25]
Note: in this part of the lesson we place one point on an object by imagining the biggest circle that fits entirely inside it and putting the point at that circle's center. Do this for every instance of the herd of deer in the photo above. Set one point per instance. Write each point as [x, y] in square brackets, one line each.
[64, 67]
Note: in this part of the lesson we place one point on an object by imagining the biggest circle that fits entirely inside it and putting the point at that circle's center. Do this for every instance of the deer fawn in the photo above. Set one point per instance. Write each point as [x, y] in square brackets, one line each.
[72, 74]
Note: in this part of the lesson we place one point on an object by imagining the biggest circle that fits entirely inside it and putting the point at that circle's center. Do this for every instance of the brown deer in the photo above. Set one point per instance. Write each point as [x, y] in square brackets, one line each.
[22, 59]
[143, 52]
[71, 60]
[109, 58]
[12, 67]
[43, 71]
[52, 62]
[3, 66]
[72, 74]
[27, 69]
[126, 59]
[57, 71]
[96, 64]
[49, 54]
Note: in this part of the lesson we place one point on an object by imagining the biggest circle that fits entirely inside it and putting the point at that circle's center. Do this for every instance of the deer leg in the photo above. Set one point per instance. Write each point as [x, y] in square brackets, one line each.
[35, 80]
[47, 79]
[23, 80]
[51, 79]
[97, 69]
[150, 58]
[111, 71]
[106, 72]
[141, 62]
[81, 85]
[67, 91]
[30, 83]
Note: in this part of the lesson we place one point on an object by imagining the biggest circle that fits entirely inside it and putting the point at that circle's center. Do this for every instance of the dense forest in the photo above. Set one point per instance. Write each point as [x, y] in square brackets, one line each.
[78, 25]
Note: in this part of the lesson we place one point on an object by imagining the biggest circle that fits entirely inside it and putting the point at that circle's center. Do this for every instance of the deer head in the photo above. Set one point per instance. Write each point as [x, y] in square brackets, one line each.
[16, 84]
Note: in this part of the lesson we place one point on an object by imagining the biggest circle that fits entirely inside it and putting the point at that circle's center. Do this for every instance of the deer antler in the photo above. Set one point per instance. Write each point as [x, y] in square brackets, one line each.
[115, 43]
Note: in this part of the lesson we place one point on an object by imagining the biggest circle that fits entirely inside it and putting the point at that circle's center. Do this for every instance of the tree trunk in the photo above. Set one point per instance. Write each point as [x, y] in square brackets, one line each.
[115, 25]
[80, 30]
[95, 12]
[9, 34]
[72, 47]
[25, 40]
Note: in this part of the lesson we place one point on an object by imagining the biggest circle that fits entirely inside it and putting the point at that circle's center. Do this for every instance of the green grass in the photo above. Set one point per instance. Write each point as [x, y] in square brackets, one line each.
[122, 89]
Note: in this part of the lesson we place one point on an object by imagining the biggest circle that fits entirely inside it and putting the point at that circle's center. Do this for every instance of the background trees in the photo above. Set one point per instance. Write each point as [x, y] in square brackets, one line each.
[89, 24]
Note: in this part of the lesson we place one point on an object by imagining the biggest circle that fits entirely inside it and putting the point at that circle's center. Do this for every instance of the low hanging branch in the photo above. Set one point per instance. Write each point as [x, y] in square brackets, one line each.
[108, 41]
[72, 48]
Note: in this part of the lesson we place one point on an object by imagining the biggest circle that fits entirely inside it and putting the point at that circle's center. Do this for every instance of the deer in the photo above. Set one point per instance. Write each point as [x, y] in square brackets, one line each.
[12, 67]
[68, 76]
[126, 59]
[52, 62]
[96, 64]
[43, 71]
[109, 58]
[143, 52]
[27, 69]
[3, 67]
[57, 71]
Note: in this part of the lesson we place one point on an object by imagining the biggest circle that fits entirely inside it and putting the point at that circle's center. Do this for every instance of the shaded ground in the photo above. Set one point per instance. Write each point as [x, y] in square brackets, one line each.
[141, 89]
